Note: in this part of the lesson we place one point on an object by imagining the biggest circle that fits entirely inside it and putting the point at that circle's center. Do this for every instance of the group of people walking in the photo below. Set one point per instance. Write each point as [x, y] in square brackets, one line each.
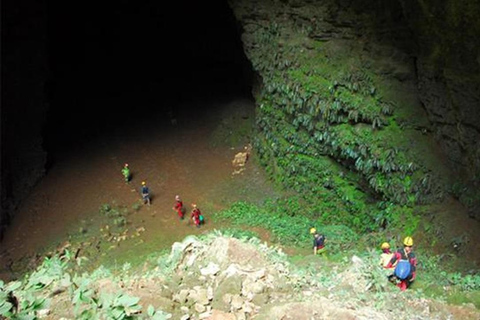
[196, 214]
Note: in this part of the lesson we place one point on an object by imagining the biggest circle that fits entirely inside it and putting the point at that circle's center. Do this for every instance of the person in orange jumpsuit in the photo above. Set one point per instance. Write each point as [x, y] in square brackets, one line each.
[196, 215]
[178, 206]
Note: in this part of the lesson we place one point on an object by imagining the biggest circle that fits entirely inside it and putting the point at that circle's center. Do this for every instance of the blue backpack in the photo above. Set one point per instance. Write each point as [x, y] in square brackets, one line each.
[402, 270]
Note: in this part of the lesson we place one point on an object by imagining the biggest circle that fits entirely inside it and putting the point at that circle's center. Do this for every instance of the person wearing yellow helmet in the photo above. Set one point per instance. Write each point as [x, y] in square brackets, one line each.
[145, 191]
[386, 255]
[318, 243]
[405, 270]
[408, 242]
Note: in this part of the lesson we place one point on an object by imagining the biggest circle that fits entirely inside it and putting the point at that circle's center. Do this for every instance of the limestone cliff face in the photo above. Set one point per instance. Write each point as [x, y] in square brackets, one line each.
[24, 64]
[372, 96]
[448, 64]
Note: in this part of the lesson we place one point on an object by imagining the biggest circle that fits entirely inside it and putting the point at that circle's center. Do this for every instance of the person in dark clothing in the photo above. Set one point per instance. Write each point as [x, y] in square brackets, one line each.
[145, 193]
[318, 243]
[401, 256]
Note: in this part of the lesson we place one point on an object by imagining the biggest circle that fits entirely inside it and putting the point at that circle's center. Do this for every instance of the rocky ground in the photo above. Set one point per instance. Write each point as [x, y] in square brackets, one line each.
[219, 277]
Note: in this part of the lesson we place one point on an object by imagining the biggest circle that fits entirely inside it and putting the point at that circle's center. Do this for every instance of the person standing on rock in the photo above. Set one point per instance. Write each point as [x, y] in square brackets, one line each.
[318, 243]
[145, 191]
[178, 206]
[196, 215]
[126, 173]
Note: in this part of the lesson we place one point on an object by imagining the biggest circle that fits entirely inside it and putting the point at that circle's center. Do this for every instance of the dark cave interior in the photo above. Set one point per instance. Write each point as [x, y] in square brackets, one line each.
[118, 62]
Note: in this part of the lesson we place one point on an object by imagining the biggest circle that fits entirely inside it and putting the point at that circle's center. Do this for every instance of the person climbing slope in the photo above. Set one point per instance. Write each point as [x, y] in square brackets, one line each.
[386, 255]
[318, 243]
[405, 270]
[178, 206]
[126, 173]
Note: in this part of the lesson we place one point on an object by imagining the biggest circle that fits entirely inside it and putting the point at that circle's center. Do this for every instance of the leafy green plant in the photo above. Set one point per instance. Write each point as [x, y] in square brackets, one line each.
[117, 215]
[157, 314]
[288, 229]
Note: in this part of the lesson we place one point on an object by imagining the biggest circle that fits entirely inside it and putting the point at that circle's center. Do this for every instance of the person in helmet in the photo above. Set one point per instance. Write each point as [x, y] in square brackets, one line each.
[196, 215]
[178, 207]
[126, 173]
[406, 261]
[318, 243]
[386, 255]
[145, 191]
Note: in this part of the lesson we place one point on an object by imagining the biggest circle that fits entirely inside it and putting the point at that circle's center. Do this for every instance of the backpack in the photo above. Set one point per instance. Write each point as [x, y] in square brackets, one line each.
[402, 270]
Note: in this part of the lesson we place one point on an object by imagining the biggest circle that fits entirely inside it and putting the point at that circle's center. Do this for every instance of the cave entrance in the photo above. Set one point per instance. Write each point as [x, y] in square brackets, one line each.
[120, 62]
[116, 71]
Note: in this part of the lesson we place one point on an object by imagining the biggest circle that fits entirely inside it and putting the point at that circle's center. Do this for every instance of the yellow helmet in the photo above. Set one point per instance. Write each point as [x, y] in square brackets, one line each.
[143, 183]
[313, 230]
[408, 241]
[385, 245]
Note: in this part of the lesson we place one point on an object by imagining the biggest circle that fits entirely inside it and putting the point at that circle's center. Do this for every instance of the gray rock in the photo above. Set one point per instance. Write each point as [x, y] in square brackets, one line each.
[261, 299]
[240, 316]
[202, 297]
[210, 293]
[237, 302]
[205, 315]
[248, 307]
[181, 297]
[231, 286]
[210, 270]
[199, 307]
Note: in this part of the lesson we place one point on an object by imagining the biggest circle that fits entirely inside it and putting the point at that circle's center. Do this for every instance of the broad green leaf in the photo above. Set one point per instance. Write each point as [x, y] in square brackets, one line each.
[150, 310]
[5, 308]
[12, 286]
[128, 301]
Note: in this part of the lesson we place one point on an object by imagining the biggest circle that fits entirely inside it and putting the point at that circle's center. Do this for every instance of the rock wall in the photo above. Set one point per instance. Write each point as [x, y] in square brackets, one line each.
[375, 106]
[24, 74]
[448, 64]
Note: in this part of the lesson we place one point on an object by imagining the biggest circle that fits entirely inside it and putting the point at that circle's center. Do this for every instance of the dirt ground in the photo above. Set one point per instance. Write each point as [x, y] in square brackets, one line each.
[181, 159]
[192, 159]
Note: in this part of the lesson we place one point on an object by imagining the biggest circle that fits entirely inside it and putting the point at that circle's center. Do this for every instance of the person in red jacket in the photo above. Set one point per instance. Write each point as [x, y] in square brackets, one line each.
[178, 206]
[405, 254]
[196, 215]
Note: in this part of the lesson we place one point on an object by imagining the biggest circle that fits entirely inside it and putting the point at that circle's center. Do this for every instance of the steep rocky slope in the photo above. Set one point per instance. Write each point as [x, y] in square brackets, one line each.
[218, 277]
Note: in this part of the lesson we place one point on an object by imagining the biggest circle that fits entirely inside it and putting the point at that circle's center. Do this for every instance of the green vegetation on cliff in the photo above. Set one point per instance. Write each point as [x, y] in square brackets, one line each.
[330, 128]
